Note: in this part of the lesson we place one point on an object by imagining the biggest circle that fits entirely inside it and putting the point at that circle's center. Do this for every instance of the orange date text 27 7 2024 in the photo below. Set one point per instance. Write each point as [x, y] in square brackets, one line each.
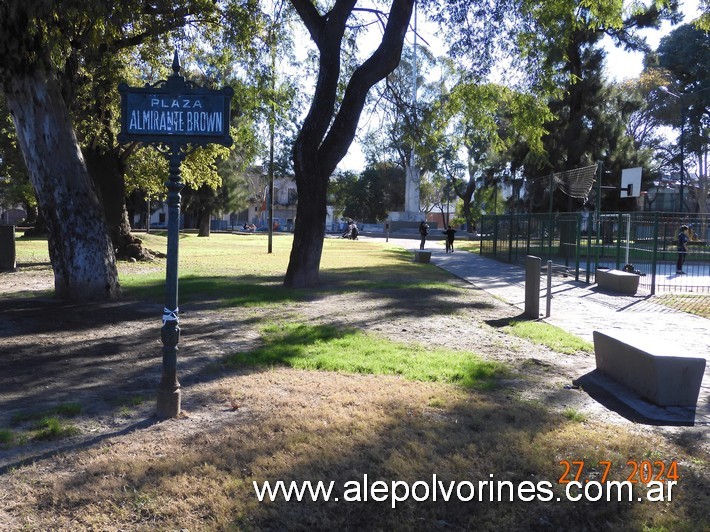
[643, 471]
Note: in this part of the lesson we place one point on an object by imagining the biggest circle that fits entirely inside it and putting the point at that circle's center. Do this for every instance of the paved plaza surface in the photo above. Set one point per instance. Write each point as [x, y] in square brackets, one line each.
[580, 309]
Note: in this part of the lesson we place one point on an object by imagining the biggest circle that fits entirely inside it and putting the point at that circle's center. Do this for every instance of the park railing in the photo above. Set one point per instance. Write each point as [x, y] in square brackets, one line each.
[578, 243]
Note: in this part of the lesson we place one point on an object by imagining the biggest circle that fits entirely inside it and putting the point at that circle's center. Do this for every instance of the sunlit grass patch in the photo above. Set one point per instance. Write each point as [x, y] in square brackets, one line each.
[31, 253]
[472, 246]
[322, 347]
[237, 270]
[574, 415]
[45, 424]
[553, 337]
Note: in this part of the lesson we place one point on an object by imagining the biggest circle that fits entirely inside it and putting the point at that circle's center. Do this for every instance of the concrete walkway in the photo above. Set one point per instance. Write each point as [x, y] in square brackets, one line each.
[580, 309]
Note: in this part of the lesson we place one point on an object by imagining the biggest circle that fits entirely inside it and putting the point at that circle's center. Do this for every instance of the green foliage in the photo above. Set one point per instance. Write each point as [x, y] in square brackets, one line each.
[6, 436]
[489, 123]
[574, 415]
[703, 21]
[137, 400]
[556, 46]
[49, 424]
[95, 45]
[487, 200]
[682, 55]
[370, 196]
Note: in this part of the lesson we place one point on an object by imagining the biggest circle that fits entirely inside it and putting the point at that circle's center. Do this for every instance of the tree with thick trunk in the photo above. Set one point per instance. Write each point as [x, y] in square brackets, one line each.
[44, 46]
[80, 251]
[79, 248]
[328, 130]
[107, 169]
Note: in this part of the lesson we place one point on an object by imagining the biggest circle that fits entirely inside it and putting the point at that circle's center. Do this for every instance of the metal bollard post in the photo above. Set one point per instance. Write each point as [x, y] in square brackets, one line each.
[549, 288]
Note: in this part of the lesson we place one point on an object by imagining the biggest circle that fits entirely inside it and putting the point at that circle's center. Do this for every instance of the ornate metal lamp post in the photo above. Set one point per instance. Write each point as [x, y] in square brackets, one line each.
[174, 116]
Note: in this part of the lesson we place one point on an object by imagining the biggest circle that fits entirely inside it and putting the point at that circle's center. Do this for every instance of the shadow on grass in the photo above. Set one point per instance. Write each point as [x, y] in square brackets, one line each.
[83, 444]
[246, 291]
[466, 447]
[43, 264]
[404, 289]
[506, 322]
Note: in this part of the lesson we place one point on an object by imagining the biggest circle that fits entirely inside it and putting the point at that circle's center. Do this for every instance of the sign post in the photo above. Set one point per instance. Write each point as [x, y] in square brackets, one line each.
[174, 116]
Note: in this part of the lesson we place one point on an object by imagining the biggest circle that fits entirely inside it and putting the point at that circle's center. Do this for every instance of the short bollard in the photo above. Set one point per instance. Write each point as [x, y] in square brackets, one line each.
[548, 310]
[532, 286]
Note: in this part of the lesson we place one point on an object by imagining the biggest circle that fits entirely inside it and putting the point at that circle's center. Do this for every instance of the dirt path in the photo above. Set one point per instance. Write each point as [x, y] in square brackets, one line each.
[107, 357]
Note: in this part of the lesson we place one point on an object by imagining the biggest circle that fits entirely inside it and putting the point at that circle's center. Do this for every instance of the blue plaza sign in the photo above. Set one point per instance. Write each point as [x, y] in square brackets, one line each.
[154, 114]
[171, 113]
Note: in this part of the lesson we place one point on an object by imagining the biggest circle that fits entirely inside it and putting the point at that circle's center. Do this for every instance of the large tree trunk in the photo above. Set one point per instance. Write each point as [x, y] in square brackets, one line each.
[107, 171]
[304, 262]
[79, 248]
[203, 221]
[326, 135]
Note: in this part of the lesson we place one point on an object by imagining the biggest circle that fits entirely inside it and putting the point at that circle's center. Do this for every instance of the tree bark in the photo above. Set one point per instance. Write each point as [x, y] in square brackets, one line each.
[326, 135]
[107, 171]
[79, 248]
[203, 221]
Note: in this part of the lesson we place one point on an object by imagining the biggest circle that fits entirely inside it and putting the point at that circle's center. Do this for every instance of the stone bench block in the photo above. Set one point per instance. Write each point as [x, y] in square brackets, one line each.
[422, 256]
[656, 370]
[618, 281]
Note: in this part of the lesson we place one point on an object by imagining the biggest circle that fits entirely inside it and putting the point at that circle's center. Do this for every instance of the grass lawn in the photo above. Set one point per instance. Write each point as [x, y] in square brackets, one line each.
[313, 398]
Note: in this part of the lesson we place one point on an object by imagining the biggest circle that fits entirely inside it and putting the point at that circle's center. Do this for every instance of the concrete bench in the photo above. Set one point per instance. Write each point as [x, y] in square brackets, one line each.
[618, 281]
[653, 369]
[422, 256]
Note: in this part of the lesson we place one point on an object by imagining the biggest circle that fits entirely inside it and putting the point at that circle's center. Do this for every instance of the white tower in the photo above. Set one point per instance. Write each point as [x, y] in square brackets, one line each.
[412, 175]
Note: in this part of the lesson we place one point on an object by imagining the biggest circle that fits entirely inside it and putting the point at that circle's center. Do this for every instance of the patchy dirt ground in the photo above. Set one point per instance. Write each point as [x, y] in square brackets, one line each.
[107, 357]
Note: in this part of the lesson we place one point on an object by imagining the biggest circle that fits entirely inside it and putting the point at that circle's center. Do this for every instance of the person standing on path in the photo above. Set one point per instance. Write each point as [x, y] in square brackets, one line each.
[423, 231]
[449, 239]
[683, 239]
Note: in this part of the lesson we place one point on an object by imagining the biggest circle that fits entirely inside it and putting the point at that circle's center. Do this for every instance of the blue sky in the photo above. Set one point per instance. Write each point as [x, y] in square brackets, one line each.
[623, 65]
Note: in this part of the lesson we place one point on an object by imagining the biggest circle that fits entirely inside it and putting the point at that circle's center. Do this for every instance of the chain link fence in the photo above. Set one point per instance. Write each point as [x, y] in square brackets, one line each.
[578, 243]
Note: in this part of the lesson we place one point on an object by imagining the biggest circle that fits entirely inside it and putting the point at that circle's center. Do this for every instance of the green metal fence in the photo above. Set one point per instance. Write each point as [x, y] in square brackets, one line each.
[578, 243]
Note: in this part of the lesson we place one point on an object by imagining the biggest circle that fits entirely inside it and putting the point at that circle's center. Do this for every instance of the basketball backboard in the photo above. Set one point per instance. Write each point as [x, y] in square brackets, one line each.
[631, 182]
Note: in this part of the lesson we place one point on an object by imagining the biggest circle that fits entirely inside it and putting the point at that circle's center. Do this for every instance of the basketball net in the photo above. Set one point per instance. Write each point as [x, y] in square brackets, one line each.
[577, 182]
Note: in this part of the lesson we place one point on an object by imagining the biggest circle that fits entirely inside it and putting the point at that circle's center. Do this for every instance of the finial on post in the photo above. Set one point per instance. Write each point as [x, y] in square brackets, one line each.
[176, 63]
